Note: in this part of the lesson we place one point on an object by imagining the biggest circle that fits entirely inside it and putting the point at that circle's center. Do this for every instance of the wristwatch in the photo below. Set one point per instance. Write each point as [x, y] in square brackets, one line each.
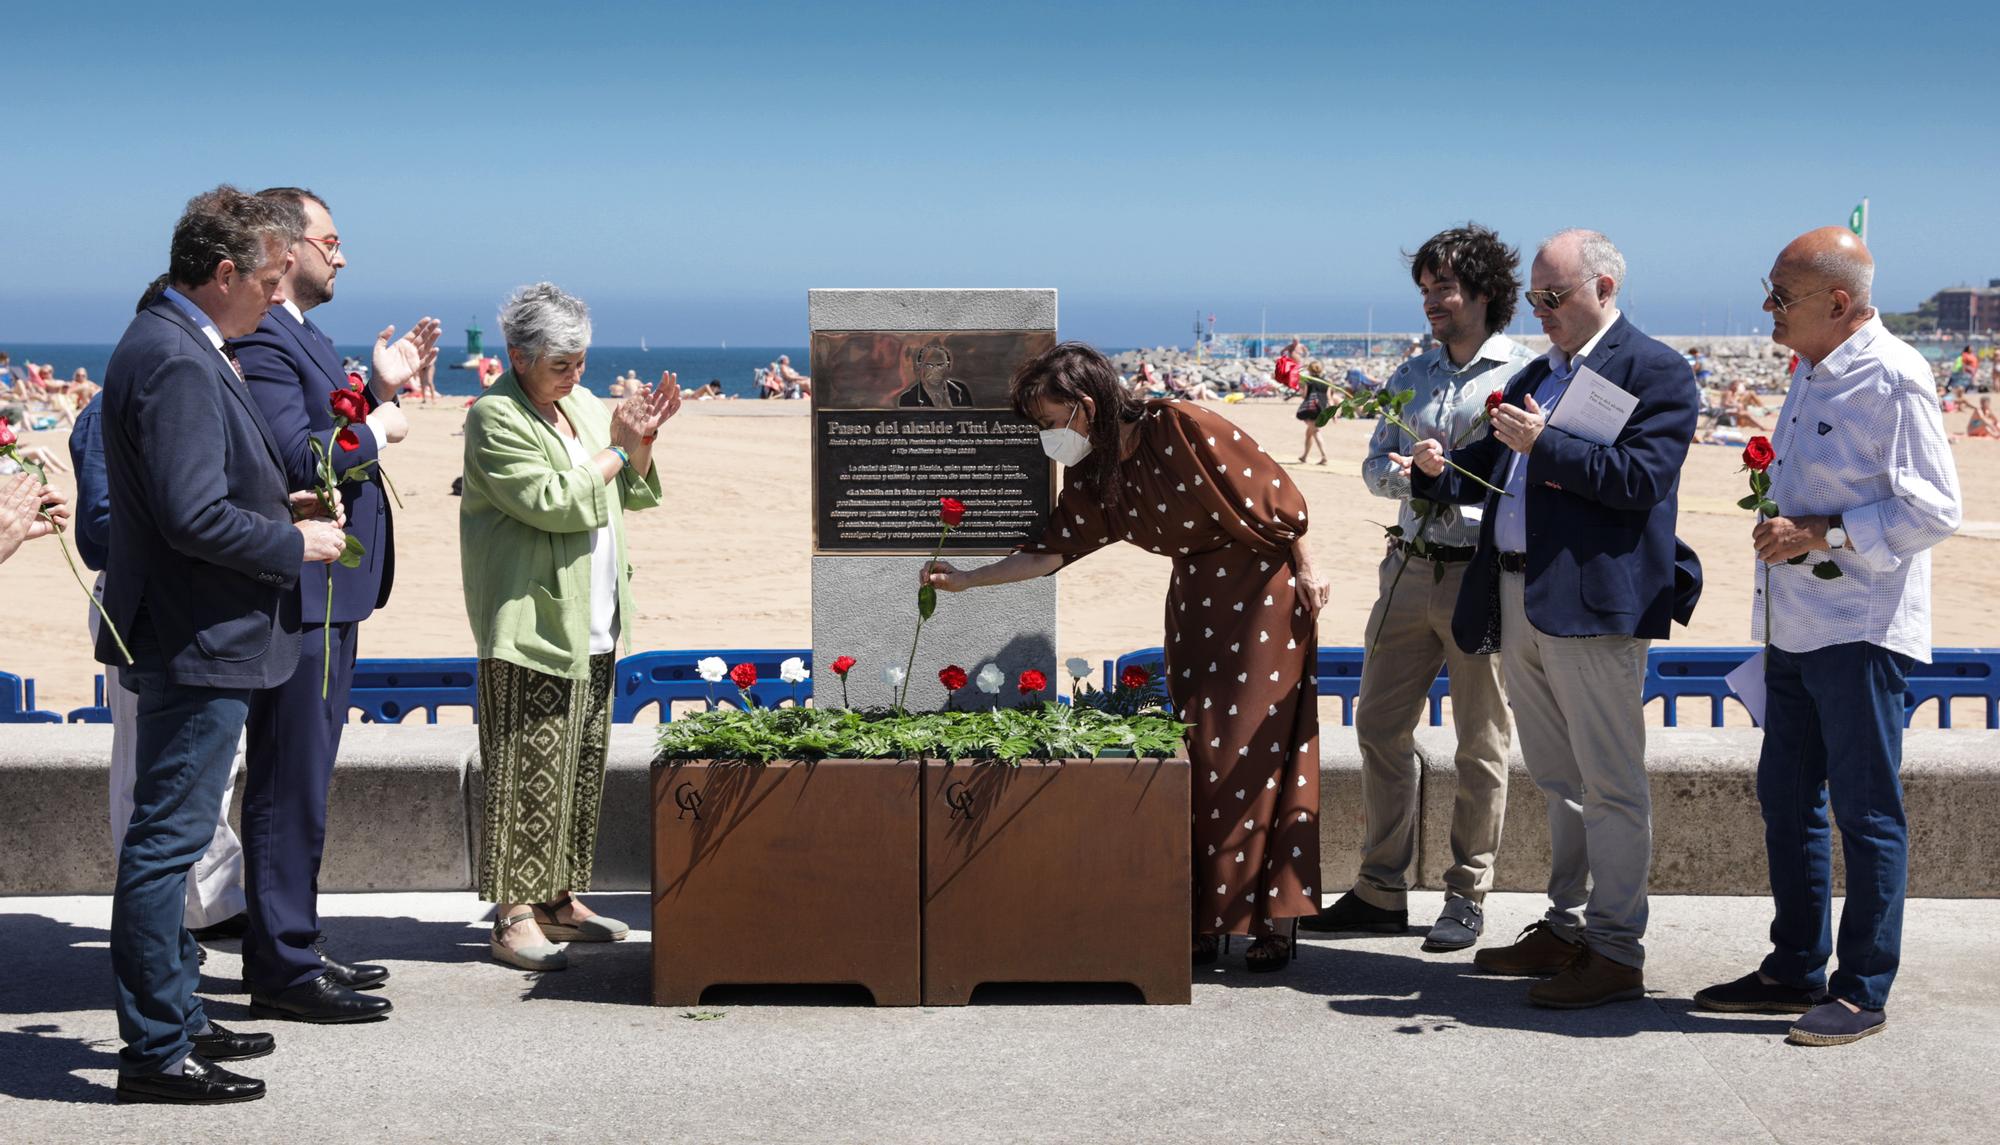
[1836, 536]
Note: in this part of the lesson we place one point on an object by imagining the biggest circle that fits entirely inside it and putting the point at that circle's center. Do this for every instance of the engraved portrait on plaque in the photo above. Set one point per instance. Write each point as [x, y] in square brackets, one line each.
[902, 418]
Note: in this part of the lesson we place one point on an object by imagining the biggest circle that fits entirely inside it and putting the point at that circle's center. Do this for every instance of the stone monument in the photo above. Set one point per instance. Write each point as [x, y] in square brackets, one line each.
[910, 405]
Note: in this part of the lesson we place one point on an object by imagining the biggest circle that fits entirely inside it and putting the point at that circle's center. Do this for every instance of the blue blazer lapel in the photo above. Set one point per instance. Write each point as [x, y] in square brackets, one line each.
[232, 384]
[314, 350]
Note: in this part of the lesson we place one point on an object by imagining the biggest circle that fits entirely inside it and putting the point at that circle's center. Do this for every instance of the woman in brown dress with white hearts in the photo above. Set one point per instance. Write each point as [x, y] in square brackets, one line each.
[1178, 480]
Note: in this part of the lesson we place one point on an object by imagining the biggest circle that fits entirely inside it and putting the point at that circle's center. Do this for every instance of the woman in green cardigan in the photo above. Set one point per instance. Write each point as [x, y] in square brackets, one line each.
[548, 476]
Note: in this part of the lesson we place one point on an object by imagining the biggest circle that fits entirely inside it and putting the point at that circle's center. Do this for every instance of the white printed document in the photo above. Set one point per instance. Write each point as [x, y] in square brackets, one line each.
[1592, 408]
[1747, 681]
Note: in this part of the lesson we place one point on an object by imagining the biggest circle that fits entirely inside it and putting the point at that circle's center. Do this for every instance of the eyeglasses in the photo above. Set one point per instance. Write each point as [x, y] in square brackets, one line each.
[1550, 299]
[1782, 304]
[329, 246]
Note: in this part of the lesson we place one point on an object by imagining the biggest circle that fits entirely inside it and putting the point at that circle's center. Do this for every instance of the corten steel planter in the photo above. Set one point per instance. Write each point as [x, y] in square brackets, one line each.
[786, 873]
[1064, 871]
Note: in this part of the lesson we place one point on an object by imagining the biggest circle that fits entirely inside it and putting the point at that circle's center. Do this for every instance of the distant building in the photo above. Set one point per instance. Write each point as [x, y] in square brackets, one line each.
[1969, 309]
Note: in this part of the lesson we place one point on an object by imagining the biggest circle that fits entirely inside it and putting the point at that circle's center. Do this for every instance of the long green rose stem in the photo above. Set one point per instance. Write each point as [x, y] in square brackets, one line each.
[923, 614]
[1423, 522]
[55, 528]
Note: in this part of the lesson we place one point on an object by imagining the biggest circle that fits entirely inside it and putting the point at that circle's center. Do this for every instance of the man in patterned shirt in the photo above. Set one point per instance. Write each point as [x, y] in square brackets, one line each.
[1865, 485]
[1468, 279]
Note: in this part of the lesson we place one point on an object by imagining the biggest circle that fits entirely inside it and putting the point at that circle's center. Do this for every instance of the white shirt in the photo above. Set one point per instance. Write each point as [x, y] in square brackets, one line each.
[1860, 435]
[202, 321]
[603, 571]
[1510, 520]
[292, 308]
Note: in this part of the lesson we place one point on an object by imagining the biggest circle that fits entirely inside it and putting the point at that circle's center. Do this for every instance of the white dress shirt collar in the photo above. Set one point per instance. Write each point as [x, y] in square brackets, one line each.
[1844, 355]
[1563, 364]
[292, 308]
[196, 315]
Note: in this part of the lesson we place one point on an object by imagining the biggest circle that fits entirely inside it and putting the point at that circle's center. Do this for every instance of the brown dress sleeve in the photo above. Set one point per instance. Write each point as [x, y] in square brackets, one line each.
[1243, 488]
[1078, 526]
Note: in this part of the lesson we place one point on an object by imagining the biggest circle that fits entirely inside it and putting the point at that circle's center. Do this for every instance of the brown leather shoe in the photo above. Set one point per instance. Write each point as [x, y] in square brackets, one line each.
[1589, 980]
[1537, 953]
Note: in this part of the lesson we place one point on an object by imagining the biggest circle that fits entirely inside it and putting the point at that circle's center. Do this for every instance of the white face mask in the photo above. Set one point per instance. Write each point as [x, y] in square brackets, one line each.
[1065, 446]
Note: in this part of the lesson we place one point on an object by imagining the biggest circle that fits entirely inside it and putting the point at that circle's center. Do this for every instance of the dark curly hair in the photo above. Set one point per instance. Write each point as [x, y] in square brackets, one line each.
[1068, 373]
[1483, 265]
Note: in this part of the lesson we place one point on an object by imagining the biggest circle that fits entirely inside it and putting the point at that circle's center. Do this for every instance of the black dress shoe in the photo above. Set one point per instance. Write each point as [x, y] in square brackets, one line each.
[235, 926]
[353, 975]
[318, 999]
[224, 1045]
[198, 1083]
[1351, 912]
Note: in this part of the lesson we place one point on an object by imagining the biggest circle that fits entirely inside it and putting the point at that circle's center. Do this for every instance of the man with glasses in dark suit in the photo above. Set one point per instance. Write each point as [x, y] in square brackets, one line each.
[1577, 572]
[294, 728]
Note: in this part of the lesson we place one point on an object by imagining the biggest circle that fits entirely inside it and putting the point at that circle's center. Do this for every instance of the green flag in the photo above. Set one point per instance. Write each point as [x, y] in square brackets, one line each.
[1857, 219]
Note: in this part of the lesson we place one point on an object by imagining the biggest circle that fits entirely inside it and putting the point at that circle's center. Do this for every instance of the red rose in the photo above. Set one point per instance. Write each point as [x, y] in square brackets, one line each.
[951, 511]
[6, 433]
[1758, 455]
[348, 440]
[743, 675]
[356, 381]
[349, 404]
[1032, 682]
[952, 677]
[843, 665]
[1493, 401]
[1134, 677]
[1287, 370]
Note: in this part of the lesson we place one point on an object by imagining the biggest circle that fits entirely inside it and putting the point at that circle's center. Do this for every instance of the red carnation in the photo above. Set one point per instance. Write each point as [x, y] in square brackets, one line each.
[1032, 682]
[1134, 677]
[6, 433]
[952, 677]
[1493, 401]
[1758, 455]
[743, 675]
[348, 440]
[349, 404]
[843, 665]
[951, 511]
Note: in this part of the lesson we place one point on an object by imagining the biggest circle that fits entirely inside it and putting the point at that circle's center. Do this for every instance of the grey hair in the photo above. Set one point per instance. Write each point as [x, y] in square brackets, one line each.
[1845, 270]
[541, 321]
[223, 224]
[1599, 257]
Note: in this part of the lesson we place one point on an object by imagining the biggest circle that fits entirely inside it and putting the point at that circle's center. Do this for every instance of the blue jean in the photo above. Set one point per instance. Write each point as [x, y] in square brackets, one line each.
[186, 745]
[1849, 696]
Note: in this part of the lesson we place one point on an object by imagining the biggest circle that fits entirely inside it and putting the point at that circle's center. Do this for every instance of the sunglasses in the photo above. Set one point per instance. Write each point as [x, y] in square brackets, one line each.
[1550, 299]
[1780, 303]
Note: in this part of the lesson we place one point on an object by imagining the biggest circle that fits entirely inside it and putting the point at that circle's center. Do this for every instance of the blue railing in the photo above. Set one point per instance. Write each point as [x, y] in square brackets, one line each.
[386, 691]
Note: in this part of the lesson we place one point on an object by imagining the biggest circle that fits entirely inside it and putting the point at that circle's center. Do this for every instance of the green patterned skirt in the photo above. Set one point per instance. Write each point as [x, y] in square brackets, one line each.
[542, 743]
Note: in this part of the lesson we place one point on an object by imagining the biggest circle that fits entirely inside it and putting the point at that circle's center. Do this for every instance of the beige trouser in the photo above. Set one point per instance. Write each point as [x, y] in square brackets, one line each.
[1409, 635]
[1583, 737]
[215, 883]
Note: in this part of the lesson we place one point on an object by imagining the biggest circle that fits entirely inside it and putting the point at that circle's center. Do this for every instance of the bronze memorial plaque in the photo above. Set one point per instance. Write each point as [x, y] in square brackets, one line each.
[902, 418]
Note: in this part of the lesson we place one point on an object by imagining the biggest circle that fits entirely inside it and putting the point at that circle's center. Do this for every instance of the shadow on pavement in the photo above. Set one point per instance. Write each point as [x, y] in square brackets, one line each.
[37, 1064]
[1429, 995]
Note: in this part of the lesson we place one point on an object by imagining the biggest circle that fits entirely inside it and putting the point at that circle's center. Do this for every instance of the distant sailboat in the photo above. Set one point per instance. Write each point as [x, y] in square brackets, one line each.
[642, 344]
[725, 345]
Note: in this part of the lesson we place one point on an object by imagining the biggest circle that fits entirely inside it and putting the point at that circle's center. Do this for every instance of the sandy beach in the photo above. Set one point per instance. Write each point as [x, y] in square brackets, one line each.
[725, 562]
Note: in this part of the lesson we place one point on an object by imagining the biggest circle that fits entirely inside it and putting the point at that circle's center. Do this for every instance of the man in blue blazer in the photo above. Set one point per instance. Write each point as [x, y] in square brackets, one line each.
[202, 579]
[1577, 571]
[295, 727]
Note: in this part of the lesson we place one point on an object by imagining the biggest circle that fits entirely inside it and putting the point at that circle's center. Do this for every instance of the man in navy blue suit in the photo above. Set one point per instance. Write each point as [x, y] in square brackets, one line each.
[1577, 572]
[294, 727]
[202, 577]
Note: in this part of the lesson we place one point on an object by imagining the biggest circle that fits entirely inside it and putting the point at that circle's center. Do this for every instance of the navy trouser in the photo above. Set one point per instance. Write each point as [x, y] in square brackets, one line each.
[288, 767]
[186, 743]
[1833, 725]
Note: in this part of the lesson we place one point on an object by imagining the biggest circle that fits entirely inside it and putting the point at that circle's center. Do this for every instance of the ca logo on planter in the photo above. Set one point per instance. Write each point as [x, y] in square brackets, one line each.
[688, 800]
[960, 799]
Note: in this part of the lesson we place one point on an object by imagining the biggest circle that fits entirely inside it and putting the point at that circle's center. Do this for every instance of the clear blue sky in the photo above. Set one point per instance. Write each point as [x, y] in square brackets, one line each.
[691, 171]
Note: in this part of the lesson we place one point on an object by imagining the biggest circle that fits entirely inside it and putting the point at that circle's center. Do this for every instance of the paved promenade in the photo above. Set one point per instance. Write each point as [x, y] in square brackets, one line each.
[1366, 1039]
